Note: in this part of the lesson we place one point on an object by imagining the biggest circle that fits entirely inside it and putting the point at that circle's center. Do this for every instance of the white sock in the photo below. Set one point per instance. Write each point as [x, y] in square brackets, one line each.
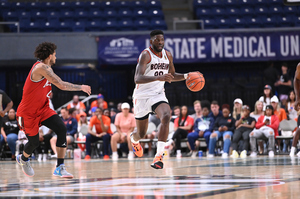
[160, 146]
[293, 148]
[132, 140]
[115, 153]
[130, 152]
[169, 142]
[178, 151]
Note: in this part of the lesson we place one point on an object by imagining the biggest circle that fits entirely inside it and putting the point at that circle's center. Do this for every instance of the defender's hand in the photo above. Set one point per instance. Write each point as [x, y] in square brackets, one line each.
[86, 88]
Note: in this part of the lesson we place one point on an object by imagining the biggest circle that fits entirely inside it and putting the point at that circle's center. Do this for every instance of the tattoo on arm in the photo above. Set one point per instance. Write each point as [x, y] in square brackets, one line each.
[54, 79]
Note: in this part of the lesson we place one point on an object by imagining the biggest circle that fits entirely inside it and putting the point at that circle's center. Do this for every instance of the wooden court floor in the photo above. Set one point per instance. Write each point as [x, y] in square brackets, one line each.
[252, 178]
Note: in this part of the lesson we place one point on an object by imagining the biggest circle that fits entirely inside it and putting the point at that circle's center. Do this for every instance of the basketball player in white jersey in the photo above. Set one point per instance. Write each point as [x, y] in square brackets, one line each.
[155, 67]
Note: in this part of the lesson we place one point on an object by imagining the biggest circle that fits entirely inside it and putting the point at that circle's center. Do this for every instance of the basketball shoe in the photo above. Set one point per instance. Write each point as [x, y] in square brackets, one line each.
[158, 161]
[62, 172]
[137, 148]
[234, 154]
[26, 168]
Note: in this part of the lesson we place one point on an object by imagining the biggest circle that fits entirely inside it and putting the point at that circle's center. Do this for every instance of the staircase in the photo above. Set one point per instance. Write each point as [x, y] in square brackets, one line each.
[179, 10]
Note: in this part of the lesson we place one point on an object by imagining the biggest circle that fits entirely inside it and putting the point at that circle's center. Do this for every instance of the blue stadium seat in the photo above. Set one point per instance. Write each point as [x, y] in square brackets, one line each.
[96, 15]
[275, 2]
[39, 16]
[78, 26]
[153, 4]
[109, 25]
[35, 27]
[136, 4]
[94, 25]
[25, 15]
[141, 24]
[158, 24]
[10, 16]
[261, 11]
[218, 11]
[19, 5]
[81, 14]
[215, 3]
[244, 3]
[230, 3]
[125, 25]
[259, 3]
[53, 15]
[34, 6]
[231, 11]
[199, 4]
[252, 22]
[110, 14]
[140, 14]
[286, 21]
[65, 26]
[156, 14]
[125, 13]
[78, 5]
[49, 5]
[246, 11]
[108, 5]
[67, 14]
[290, 10]
[222, 23]
[237, 22]
[203, 13]
[269, 22]
[297, 21]
[13, 27]
[276, 10]
[123, 4]
[93, 5]
[209, 23]
[63, 5]
[5, 6]
[51, 26]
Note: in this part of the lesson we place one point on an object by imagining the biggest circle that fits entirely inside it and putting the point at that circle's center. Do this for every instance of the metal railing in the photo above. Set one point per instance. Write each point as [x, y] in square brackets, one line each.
[12, 22]
[85, 99]
[175, 22]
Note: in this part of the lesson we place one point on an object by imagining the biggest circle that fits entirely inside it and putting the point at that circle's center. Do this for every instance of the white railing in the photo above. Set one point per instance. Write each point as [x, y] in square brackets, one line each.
[175, 22]
[85, 99]
[12, 22]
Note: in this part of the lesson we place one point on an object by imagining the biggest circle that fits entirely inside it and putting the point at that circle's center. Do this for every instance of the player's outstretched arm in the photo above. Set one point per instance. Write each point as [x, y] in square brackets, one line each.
[297, 87]
[48, 73]
[140, 78]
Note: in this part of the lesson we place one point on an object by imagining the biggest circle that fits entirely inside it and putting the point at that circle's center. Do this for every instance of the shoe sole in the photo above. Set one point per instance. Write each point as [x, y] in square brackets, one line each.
[157, 165]
[19, 163]
[63, 176]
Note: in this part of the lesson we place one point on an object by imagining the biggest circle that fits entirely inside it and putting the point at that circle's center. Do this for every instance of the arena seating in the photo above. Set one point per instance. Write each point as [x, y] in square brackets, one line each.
[245, 13]
[83, 16]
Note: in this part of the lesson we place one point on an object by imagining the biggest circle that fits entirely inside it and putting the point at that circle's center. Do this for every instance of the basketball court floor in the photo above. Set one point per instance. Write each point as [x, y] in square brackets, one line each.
[260, 177]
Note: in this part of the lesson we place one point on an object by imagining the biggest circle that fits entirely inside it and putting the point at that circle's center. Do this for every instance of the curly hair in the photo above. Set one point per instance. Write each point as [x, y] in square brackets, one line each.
[44, 49]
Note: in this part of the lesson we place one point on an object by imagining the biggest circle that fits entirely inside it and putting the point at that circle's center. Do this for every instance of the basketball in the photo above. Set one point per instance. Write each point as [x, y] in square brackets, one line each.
[195, 81]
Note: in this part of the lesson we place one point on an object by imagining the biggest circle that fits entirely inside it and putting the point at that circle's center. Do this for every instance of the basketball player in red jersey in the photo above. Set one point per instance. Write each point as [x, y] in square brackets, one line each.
[34, 109]
[155, 67]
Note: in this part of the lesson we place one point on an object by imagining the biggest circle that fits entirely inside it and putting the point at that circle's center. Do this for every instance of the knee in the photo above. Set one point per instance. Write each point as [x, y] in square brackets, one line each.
[88, 137]
[271, 132]
[35, 142]
[251, 134]
[213, 135]
[165, 118]
[227, 137]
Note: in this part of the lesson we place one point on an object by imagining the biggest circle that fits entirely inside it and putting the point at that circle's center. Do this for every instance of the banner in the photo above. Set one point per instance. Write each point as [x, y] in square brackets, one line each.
[205, 47]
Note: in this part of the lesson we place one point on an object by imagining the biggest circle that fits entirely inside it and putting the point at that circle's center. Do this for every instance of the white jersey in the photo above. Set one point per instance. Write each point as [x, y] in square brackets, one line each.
[156, 66]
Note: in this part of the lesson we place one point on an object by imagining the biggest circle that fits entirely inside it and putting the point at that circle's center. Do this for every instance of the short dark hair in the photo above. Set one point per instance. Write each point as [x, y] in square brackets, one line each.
[214, 102]
[284, 64]
[44, 49]
[71, 110]
[156, 32]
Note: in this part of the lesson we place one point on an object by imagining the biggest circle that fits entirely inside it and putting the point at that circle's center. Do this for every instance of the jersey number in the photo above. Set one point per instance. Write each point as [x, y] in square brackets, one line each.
[158, 73]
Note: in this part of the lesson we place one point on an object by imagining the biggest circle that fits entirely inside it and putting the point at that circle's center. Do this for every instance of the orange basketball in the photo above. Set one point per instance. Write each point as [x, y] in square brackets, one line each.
[195, 81]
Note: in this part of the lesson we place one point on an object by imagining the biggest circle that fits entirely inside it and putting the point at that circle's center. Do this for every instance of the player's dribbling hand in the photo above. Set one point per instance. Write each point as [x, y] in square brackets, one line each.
[166, 77]
[86, 88]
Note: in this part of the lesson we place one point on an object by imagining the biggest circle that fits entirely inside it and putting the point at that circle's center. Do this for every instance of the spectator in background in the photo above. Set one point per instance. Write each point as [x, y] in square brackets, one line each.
[106, 112]
[4, 100]
[82, 129]
[50, 101]
[71, 124]
[295, 140]
[197, 109]
[154, 119]
[113, 113]
[215, 110]
[176, 113]
[280, 112]
[203, 127]
[125, 123]
[102, 132]
[99, 102]
[9, 132]
[224, 127]
[244, 125]
[119, 105]
[258, 110]
[182, 126]
[270, 75]
[290, 106]
[266, 128]
[45, 135]
[76, 104]
[284, 84]
[20, 143]
[93, 110]
[266, 98]
[237, 108]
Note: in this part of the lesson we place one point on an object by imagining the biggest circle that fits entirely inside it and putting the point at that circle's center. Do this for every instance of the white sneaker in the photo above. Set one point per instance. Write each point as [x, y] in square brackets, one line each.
[271, 154]
[194, 154]
[210, 155]
[234, 154]
[298, 154]
[40, 157]
[243, 154]
[130, 156]
[292, 153]
[45, 157]
[54, 156]
[178, 155]
[253, 154]
[225, 155]
[115, 156]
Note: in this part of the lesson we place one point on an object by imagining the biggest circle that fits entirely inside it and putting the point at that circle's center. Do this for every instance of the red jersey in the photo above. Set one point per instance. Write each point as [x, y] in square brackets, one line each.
[35, 97]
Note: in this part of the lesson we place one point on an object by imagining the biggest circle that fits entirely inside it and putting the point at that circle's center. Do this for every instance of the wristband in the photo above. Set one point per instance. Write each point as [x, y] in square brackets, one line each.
[185, 75]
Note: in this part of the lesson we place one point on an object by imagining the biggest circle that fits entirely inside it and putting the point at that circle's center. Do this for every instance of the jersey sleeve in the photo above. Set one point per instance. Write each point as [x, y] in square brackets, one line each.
[92, 121]
[176, 122]
[117, 119]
